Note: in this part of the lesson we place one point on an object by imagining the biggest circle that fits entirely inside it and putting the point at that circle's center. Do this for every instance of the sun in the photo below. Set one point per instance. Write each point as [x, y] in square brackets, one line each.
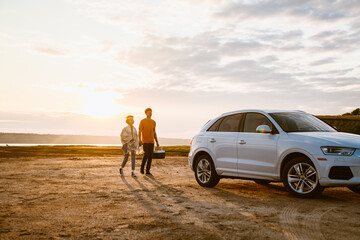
[101, 105]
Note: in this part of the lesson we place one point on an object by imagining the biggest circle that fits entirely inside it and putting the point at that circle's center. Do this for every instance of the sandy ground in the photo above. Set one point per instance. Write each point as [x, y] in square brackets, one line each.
[85, 198]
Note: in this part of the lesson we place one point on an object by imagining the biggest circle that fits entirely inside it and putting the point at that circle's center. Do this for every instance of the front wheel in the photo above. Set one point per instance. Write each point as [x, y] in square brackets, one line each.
[355, 188]
[205, 173]
[300, 178]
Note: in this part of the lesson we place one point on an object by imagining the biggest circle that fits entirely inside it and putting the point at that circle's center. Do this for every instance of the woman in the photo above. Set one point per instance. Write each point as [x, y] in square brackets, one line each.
[130, 142]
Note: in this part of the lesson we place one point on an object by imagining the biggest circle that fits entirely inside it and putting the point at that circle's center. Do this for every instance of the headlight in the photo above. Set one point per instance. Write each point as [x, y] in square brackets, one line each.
[339, 151]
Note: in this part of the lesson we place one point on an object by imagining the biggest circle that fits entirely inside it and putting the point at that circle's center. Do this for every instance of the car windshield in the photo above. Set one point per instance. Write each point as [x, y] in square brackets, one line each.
[300, 122]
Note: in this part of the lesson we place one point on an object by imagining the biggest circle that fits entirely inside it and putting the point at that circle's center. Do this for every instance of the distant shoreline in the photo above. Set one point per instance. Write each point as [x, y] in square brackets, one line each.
[33, 139]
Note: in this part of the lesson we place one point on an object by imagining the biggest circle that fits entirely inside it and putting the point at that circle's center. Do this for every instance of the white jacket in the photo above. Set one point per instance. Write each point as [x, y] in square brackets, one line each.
[126, 138]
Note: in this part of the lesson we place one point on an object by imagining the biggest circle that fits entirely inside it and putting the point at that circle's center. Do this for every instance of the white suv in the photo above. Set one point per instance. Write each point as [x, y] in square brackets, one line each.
[294, 147]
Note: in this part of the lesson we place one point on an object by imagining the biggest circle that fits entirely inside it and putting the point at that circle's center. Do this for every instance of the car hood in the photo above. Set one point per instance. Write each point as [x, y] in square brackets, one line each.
[329, 138]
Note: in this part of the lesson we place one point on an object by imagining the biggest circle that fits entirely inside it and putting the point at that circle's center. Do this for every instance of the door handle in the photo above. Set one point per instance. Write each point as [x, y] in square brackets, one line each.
[242, 142]
[212, 140]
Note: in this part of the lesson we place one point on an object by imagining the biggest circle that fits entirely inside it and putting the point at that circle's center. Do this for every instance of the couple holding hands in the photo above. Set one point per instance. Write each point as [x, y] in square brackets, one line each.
[131, 142]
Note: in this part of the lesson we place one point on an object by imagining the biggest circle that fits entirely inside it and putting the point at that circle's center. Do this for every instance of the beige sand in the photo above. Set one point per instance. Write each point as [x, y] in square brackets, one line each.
[84, 197]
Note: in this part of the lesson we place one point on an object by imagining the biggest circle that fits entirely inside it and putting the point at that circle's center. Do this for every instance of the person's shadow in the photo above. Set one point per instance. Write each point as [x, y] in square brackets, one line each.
[146, 204]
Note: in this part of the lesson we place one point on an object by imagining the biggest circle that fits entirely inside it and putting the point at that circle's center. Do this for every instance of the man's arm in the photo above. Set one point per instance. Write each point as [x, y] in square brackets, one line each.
[155, 137]
[140, 142]
[140, 131]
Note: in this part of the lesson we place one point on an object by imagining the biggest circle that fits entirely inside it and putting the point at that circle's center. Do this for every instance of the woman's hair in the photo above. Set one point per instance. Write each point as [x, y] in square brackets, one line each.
[148, 109]
[128, 118]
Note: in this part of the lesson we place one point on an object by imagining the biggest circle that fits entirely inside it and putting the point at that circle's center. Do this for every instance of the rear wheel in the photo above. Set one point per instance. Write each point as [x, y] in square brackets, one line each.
[262, 181]
[355, 188]
[300, 178]
[205, 173]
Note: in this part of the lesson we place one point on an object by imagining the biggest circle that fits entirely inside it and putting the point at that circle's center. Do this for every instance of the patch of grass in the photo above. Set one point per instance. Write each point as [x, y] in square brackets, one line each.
[72, 152]
[176, 150]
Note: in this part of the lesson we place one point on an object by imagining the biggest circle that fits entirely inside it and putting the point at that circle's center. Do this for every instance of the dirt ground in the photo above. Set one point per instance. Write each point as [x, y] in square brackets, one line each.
[85, 198]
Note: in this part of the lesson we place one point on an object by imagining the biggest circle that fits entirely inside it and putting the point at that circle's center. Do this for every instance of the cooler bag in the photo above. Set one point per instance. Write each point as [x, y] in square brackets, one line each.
[159, 154]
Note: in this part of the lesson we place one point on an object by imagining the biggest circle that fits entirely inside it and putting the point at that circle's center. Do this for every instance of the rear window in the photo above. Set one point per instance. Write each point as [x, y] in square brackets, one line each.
[230, 124]
[215, 126]
[227, 124]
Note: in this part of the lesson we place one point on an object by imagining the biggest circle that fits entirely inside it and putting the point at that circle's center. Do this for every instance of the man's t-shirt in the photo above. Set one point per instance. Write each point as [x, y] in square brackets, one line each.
[147, 128]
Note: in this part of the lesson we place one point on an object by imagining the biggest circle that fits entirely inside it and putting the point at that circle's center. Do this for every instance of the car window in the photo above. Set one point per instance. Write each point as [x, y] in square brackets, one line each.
[230, 123]
[253, 120]
[215, 126]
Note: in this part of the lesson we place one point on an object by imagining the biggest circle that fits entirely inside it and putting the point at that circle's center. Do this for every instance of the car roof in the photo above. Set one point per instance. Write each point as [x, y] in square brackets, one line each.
[261, 111]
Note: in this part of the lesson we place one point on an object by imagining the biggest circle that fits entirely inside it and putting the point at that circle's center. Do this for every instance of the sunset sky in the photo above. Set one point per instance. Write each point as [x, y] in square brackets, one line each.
[79, 67]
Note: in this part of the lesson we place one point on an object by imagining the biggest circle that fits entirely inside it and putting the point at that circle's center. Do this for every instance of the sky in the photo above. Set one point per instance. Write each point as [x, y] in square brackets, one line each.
[82, 66]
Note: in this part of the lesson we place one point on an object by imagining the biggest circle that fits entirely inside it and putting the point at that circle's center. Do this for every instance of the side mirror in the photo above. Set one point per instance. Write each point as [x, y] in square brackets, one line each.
[263, 129]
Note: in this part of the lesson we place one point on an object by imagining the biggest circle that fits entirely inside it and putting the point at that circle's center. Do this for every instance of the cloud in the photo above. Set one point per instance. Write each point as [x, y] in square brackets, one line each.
[323, 61]
[326, 73]
[107, 45]
[327, 34]
[209, 63]
[102, 89]
[269, 59]
[335, 84]
[249, 54]
[50, 51]
[241, 47]
[274, 35]
[81, 85]
[202, 71]
[312, 9]
[344, 41]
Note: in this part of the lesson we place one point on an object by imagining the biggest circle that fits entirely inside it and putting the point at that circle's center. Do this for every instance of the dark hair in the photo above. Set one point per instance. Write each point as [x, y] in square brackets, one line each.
[127, 118]
[148, 109]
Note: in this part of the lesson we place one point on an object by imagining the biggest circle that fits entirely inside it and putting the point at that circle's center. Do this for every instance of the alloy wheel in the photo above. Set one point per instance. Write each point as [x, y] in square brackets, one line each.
[302, 178]
[203, 171]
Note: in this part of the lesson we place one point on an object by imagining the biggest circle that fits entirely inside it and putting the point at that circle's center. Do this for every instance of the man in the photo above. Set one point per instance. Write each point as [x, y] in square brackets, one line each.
[147, 134]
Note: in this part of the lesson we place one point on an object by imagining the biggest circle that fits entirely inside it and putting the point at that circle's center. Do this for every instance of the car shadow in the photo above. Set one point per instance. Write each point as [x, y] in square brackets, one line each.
[276, 190]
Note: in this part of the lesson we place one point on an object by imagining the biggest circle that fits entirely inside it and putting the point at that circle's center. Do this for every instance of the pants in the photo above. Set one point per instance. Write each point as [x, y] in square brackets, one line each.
[126, 156]
[148, 152]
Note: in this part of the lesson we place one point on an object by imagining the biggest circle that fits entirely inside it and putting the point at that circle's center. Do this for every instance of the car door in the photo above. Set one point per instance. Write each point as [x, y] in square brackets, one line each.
[257, 152]
[222, 137]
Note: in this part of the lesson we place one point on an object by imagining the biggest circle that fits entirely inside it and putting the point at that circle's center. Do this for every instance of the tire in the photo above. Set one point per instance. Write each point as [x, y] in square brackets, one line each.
[262, 181]
[300, 178]
[355, 188]
[205, 173]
